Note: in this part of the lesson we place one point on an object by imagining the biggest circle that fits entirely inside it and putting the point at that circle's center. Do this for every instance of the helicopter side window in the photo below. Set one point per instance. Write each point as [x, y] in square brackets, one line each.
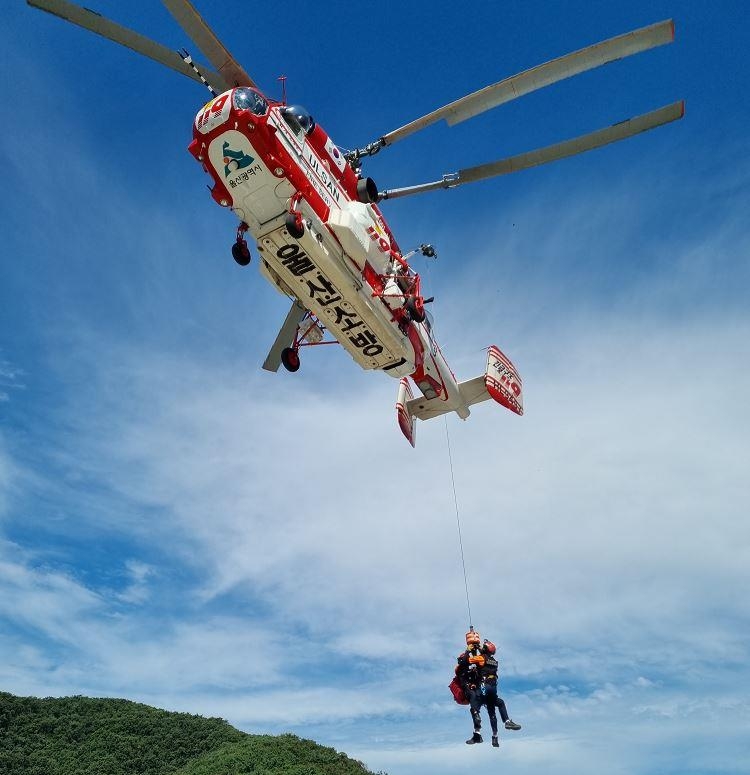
[428, 324]
[249, 99]
[299, 119]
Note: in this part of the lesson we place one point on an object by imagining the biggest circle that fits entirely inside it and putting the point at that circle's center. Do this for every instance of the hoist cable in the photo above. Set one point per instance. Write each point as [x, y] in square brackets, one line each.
[455, 497]
[458, 519]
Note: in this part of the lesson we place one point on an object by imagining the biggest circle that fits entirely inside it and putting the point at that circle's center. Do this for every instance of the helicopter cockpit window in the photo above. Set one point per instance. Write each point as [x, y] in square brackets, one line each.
[248, 99]
[299, 119]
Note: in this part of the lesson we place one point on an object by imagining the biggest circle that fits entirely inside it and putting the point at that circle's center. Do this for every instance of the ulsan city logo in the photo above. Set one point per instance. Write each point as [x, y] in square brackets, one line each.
[234, 160]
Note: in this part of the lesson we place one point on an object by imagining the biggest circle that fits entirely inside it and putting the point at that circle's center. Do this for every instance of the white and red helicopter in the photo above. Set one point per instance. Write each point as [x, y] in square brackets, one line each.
[315, 219]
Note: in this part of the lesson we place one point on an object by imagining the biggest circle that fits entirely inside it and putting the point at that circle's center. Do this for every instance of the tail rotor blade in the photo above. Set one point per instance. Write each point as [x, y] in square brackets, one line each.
[204, 37]
[100, 25]
[538, 77]
[601, 137]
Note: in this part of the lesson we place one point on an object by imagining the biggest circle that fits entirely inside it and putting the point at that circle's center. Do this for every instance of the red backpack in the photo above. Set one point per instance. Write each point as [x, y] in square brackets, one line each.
[457, 692]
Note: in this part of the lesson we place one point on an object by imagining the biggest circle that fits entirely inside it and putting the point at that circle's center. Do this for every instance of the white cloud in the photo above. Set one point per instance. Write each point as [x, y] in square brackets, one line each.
[10, 378]
[139, 573]
[10, 375]
[49, 602]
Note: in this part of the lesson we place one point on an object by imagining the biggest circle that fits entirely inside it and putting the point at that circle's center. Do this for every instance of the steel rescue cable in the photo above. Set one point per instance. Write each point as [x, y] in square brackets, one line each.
[458, 520]
[453, 484]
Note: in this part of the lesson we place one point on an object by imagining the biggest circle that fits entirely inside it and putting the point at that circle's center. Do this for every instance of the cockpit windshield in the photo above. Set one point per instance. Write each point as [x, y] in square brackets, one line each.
[298, 118]
[249, 99]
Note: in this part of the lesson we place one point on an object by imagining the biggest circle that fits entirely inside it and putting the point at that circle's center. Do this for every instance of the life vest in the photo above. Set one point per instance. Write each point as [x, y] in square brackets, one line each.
[490, 669]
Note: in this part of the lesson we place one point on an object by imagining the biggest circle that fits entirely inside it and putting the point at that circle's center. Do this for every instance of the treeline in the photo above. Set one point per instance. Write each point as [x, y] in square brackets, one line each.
[84, 736]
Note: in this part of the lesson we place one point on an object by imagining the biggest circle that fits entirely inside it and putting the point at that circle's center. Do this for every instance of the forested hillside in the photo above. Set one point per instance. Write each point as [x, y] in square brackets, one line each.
[84, 736]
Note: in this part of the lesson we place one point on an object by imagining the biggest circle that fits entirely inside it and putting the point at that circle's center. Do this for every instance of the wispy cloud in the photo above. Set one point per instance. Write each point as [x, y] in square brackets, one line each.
[11, 378]
[138, 574]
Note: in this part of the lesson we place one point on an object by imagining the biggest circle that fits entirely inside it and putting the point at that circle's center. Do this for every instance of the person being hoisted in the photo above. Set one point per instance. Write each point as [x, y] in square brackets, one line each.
[477, 673]
[488, 692]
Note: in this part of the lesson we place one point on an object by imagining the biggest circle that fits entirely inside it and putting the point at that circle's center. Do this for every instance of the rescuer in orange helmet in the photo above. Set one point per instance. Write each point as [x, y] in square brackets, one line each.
[468, 672]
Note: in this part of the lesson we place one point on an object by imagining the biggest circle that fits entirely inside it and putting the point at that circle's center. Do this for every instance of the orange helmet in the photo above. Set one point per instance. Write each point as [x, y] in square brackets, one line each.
[489, 647]
[473, 638]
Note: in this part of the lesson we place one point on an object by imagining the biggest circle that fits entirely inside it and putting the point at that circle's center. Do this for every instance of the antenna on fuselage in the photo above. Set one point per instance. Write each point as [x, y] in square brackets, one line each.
[282, 78]
[189, 61]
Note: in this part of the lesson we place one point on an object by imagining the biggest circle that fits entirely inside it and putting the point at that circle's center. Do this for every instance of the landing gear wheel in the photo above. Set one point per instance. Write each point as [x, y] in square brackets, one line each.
[295, 230]
[290, 359]
[240, 254]
[415, 308]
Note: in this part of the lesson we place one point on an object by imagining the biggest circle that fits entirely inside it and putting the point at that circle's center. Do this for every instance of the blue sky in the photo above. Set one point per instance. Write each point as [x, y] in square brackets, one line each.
[181, 528]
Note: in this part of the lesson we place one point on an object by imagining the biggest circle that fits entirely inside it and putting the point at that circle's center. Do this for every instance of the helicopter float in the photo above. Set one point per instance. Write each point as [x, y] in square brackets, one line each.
[315, 218]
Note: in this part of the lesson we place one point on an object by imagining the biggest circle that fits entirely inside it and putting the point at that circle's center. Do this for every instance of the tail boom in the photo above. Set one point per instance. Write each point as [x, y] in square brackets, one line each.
[500, 382]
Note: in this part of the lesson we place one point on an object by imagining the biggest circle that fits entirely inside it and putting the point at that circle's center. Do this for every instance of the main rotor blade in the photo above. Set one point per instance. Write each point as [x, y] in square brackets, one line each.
[203, 37]
[538, 77]
[94, 22]
[628, 128]
[285, 336]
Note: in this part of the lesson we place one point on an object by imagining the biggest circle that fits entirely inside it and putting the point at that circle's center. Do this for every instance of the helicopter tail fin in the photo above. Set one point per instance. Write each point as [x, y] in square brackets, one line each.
[502, 381]
[406, 420]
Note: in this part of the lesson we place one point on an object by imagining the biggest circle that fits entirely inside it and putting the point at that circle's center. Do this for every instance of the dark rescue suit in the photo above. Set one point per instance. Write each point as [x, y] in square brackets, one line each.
[486, 694]
[468, 671]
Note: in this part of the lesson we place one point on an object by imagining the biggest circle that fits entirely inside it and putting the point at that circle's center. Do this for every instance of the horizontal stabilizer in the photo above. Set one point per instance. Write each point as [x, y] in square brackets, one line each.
[474, 391]
[427, 408]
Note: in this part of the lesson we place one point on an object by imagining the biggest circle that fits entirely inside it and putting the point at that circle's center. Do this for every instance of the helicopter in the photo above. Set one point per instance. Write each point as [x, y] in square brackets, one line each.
[315, 218]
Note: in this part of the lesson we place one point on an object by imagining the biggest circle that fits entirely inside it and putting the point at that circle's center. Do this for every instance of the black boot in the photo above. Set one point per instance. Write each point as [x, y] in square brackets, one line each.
[475, 738]
[495, 742]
